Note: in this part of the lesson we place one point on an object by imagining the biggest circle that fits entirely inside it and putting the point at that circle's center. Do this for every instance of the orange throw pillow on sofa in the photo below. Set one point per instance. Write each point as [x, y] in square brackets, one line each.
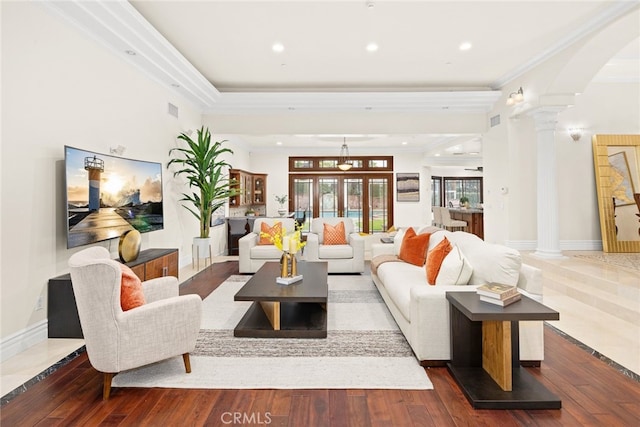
[435, 258]
[334, 235]
[131, 294]
[414, 247]
[271, 232]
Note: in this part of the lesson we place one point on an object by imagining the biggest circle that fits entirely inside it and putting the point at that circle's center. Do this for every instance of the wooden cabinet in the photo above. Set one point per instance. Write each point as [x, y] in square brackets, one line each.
[62, 313]
[259, 189]
[252, 186]
[160, 266]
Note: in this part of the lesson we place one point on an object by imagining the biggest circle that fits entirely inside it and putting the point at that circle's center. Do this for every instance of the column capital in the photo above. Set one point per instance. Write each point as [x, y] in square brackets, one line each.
[546, 118]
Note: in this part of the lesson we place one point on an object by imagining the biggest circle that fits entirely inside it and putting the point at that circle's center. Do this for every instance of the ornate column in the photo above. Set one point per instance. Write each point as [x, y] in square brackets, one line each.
[548, 245]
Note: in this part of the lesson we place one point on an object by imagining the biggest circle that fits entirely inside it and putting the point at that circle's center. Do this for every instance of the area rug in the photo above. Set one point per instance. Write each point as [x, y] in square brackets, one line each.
[624, 260]
[364, 349]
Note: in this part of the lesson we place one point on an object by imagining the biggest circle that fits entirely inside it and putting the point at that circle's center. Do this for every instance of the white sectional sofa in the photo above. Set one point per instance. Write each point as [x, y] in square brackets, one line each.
[422, 311]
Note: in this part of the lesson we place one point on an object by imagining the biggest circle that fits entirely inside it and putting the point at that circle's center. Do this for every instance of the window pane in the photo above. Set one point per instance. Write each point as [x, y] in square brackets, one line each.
[353, 201]
[378, 206]
[458, 187]
[303, 164]
[357, 163]
[328, 163]
[328, 197]
[377, 163]
[303, 201]
[435, 191]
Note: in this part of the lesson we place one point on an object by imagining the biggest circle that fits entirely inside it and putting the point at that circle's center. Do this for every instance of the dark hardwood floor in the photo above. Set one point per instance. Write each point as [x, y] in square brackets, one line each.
[592, 393]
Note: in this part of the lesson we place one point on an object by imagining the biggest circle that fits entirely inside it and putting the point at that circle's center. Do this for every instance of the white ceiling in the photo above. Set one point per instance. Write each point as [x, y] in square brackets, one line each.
[230, 42]
[219, 54]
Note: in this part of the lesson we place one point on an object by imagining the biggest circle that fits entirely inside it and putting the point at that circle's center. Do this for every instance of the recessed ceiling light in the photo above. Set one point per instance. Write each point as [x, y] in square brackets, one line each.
[437, 154]
[464, 46]
[372, 47]
[130, 52]
[404, 142]
[278, 142]
[277, 47]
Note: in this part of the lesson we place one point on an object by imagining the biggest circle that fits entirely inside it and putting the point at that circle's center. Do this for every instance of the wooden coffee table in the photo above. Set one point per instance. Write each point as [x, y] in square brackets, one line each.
[298, 310]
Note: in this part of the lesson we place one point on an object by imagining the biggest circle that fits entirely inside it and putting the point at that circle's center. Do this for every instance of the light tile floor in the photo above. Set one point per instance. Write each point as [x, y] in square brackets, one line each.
[607, 334]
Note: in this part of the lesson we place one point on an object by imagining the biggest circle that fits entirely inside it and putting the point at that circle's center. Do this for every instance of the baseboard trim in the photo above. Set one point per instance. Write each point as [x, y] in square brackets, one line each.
[565, 245]
[22, 340]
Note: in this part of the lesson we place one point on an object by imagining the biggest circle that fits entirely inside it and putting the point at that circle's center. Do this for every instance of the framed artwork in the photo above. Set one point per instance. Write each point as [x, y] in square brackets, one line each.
[408, 187]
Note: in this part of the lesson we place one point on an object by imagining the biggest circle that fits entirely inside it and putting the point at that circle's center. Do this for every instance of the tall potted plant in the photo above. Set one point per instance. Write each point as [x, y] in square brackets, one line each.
[201, 163]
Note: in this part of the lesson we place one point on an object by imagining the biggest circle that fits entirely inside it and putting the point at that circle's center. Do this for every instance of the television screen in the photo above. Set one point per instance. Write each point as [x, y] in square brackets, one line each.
[108, 195]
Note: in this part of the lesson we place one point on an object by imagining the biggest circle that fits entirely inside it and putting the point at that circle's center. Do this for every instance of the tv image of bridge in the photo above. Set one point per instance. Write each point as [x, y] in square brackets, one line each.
[96, 226]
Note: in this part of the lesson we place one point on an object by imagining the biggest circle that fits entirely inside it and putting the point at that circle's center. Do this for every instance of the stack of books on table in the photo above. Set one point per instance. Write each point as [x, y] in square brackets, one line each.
[498, 294]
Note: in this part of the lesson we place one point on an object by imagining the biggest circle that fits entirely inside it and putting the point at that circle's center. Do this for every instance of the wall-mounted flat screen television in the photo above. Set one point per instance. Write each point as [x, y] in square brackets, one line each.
[108, 195]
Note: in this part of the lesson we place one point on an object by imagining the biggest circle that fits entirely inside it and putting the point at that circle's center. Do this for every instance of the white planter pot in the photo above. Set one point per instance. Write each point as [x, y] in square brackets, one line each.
[201, 247]
[282, 212]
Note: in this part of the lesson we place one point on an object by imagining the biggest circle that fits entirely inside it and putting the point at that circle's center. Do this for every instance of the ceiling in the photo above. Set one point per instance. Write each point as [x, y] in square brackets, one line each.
[230, 42]
[220, 54]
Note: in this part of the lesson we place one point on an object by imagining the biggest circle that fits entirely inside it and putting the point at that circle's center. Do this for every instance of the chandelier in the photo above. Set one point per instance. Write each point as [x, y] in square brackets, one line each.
[344, 161]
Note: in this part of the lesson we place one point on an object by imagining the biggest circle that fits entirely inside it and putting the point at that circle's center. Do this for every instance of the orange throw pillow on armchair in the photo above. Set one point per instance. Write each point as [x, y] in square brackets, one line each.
[435, 258]
[131, 294]
[414, 247]
[334, 235]
[271, 233]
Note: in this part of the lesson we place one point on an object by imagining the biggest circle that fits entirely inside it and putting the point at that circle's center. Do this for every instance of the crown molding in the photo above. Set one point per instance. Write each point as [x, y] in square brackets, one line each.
[303, 102]
[118, 26]
[121, 28]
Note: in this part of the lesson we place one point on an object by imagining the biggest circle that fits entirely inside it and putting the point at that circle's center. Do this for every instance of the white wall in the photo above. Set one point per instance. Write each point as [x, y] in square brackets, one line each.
[59, 87]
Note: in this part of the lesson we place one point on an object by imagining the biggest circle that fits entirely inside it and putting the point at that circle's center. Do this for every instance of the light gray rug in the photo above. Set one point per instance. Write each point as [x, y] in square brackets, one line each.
[364, 349]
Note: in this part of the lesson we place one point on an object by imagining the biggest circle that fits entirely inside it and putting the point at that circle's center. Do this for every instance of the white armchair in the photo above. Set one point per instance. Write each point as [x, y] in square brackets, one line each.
[347, 258]
[166, 326]
[252, 254]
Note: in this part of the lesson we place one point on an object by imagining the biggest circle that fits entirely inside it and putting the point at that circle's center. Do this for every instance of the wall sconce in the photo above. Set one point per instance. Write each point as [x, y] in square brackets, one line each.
[516, 97]
[575, 134]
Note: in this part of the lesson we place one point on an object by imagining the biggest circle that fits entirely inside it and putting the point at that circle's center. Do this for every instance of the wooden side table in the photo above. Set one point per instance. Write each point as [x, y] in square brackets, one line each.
[485, 355]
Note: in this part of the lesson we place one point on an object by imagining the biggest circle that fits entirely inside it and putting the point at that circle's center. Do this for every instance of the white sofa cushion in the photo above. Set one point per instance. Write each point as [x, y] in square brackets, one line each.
[490, 262]
[398, 278]
[265, 252]
[455, 269]
[397, 241]
[335, 251]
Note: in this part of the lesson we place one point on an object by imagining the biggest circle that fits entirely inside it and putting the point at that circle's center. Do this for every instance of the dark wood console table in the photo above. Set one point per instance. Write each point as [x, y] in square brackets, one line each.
[62, 312]
[485, 354]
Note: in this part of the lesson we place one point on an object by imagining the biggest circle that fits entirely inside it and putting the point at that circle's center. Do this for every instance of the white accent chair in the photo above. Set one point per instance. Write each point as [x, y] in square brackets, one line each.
[347, 258]
[451, 224]
[166, 326]
[253, 255]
